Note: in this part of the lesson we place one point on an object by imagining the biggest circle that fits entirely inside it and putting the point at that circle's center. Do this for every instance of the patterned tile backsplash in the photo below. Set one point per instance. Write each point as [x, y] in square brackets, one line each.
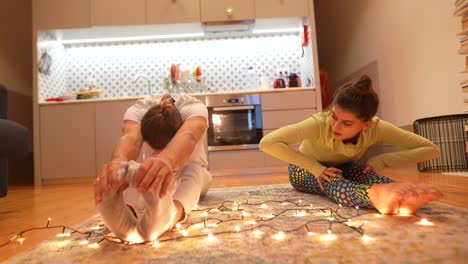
[225, 59]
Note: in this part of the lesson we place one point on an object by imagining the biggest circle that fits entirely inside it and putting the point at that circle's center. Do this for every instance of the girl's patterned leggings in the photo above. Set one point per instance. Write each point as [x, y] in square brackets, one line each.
[351, 189]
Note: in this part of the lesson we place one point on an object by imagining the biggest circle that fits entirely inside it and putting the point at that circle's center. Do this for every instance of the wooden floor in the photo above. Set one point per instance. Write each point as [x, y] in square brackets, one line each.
[70, 204]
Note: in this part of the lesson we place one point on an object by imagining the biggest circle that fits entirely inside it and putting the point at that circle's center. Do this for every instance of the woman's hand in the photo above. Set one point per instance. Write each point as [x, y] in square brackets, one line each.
[369, 168]
[107, 176]
[327, 174]
[154, 174]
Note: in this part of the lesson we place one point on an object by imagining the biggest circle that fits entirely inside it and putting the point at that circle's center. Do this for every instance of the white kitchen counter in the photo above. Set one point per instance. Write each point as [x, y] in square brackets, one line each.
[80, 101]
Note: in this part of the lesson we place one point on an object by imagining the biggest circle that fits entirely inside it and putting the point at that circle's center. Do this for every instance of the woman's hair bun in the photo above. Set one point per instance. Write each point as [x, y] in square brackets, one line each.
[364, 84]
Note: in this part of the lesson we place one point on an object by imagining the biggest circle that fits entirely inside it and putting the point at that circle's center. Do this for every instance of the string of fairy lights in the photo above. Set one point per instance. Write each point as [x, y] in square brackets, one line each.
[216, 221]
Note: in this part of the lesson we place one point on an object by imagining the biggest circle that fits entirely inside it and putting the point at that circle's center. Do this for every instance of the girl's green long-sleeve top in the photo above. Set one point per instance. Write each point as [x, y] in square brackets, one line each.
[318, 147]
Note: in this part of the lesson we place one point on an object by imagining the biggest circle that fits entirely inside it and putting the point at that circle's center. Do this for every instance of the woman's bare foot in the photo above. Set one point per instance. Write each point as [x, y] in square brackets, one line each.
[386, 197]
[398, 197]
[424, 194]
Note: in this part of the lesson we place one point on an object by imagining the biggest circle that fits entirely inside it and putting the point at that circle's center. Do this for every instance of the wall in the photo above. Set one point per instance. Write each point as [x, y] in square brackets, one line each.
[16, 74]
[412, 43]
[15, 47]
[224, 59]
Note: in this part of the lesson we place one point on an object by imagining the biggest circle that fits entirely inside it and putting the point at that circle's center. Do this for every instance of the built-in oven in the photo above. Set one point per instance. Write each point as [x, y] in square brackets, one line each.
[235, 121]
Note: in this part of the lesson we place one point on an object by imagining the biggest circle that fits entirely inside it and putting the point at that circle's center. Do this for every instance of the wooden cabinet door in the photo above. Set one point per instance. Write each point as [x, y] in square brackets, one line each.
[172, 11]
[109, 121]
[67, 135]
[281, 8]
[217, 10]
[57, 14]
[118, 12]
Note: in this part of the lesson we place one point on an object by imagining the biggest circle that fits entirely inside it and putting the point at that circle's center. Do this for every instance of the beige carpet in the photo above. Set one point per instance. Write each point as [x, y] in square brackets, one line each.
[289, 227]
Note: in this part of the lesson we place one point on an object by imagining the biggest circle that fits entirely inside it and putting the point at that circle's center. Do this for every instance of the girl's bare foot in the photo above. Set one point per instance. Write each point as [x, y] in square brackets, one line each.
[386, 197]
[398, 197]
[424, 194]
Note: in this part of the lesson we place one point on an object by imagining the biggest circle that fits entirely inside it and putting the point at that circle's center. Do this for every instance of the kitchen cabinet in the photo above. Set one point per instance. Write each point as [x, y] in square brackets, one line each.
[109, 121]
[226, 10]
[281, 8]
[282, 109]
[235, 159]
[58, 14]
[172, 11]
[67, 141]
[118, 12]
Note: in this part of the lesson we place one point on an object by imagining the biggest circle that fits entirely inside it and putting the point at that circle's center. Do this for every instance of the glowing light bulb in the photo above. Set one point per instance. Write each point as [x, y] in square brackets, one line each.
[251, 222]
[340, 205]
[62, 243]
[279, 236]
[425, 222]
[134, 238]
[94, 245]
[301, 213]
[211, 236]
[258, 233]
[357, 207]
[366, 238]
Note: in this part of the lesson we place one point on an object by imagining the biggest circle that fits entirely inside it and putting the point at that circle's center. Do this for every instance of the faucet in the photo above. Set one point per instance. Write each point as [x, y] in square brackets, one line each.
[147, 79]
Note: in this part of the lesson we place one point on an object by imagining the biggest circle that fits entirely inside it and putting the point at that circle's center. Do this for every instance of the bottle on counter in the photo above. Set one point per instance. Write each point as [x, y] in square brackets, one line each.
[252, 79]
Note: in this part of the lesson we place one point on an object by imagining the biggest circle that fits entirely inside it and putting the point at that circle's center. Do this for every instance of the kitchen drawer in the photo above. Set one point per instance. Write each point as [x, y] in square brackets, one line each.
[172, 11]
[279, 118]
[216, 10]
[289, 100]
[281, 8]
[236, 159]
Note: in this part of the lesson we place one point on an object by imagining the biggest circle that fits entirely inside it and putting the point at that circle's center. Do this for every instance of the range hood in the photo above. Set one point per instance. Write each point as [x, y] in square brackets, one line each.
[228, 26]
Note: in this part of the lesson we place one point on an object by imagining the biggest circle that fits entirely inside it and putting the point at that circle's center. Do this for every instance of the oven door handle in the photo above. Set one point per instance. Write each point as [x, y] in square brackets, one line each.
[228, 108]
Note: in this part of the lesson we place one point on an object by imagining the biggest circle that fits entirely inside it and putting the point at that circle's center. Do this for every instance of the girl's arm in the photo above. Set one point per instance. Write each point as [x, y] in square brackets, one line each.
[277, 144]
[416, 148]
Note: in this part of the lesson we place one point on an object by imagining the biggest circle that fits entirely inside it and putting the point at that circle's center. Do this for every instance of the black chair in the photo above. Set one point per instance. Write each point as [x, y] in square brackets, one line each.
[14, 140]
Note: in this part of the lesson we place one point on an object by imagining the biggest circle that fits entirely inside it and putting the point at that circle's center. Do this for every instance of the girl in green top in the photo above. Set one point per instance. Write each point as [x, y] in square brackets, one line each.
[332, 142]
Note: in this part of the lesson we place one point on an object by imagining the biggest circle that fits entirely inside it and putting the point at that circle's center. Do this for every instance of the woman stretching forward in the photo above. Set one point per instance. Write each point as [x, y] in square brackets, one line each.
[332, 143]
